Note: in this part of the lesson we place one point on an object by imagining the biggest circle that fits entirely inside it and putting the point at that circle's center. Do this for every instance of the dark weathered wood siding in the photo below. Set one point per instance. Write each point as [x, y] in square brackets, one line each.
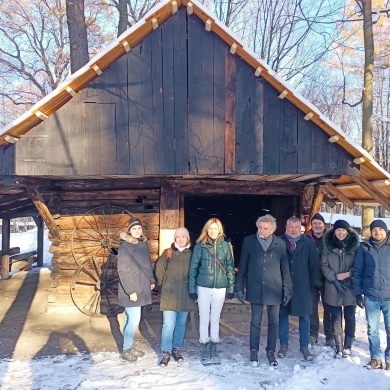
[177, 103]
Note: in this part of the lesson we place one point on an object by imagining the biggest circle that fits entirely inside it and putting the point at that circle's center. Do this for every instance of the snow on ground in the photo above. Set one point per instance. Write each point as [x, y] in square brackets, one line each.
[106, 371]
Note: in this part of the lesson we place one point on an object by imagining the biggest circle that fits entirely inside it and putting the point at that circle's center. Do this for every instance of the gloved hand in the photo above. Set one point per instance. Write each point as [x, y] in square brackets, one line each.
[286, 296]
[360, 301]
[194, 296]
[241, 297]
[339, 287]
[229, 295]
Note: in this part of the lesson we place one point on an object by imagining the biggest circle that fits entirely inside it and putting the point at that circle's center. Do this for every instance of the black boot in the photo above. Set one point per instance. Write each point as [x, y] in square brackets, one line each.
[214, 354]
[348, 341]
[205, 354]
[338, 338]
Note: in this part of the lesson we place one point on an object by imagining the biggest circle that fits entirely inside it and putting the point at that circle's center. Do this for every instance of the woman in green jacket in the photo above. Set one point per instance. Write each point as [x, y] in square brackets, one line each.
[211, 278]
[175, 302]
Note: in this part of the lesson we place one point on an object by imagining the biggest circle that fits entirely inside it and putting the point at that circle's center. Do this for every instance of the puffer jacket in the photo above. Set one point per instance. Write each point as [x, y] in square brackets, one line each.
[335, 261]
[204, 269]
[371, 273]
[135, 271]
[172, 278]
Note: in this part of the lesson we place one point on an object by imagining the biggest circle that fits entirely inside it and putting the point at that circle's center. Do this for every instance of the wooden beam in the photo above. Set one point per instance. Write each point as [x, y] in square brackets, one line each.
[339, 195]
[5, 245]
[372, 191]
[40, 240]
[43, 211]
[354, 186]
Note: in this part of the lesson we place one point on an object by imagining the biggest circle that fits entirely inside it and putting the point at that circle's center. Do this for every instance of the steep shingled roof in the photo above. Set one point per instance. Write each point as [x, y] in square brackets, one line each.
[371, 187]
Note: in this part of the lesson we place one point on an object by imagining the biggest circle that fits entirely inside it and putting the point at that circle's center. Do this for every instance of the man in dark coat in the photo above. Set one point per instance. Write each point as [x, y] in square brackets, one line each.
[371, 277]
[305, 270]
[316, 233]
[263, 269]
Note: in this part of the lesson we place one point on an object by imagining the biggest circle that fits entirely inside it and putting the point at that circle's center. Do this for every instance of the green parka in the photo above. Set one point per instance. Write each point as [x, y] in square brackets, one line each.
[172, 278]
[206, 271]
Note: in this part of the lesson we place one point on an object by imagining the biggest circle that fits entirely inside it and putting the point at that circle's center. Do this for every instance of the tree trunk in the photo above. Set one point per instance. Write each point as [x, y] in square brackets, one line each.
[122, 23]
[368, 213]
[78, 41]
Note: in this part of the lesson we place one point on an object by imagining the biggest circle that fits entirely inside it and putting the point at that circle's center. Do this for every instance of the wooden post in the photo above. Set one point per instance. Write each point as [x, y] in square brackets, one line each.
[169, 214]
[40, 225]
[318, 196]
[5, 244]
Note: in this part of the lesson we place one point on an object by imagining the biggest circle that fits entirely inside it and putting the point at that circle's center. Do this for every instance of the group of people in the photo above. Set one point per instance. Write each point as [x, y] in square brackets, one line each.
[287, 274]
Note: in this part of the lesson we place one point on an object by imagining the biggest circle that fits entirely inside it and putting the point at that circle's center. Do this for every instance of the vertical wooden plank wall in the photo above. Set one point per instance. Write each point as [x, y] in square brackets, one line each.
[92, 139]
[107, 137]
[271, 130]
[305, 135]
[180, 80]
[76, 142]
[289, 138]
[257, 125]
[244, 130]
[135, 111]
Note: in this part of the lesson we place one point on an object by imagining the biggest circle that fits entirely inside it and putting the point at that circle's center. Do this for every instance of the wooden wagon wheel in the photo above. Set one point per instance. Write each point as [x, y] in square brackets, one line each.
[94, 287]
[97, 232]
[95, 242]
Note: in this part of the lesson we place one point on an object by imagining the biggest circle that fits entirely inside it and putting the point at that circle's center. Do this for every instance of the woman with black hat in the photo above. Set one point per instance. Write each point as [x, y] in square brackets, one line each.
[337, 260]
[135, 283]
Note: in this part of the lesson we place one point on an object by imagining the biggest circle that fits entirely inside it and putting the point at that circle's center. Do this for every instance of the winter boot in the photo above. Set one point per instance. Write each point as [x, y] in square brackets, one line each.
[165, 359]
[129, 355]
[338, 338]
[313, 339]
[177, 355]
[387, 368]
[306, 354]
[271, 358]
[283, 351]
[330, 341]
[348, 341]
[214, 354]
[374, 364]
[253, 358]
[205, 355]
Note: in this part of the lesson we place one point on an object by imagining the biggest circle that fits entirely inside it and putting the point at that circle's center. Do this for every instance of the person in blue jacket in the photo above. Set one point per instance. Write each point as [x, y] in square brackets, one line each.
[371, 280]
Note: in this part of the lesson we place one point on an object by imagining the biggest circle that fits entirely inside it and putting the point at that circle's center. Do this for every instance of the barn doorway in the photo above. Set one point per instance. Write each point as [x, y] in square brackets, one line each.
[238, 214]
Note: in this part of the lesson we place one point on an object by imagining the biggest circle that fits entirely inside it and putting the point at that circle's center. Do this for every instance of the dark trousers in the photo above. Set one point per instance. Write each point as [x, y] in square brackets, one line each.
[316, 293]
[349, 320]
[255, 329]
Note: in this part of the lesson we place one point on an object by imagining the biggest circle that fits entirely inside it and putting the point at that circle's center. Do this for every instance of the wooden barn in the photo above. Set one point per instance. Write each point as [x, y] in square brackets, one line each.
[175, 122]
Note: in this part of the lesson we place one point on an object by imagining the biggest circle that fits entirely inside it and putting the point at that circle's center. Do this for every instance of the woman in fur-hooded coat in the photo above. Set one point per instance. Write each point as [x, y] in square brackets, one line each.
[337, 260]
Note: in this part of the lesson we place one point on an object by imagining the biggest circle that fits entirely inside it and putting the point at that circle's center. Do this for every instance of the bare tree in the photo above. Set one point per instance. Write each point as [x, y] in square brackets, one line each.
[77, 28]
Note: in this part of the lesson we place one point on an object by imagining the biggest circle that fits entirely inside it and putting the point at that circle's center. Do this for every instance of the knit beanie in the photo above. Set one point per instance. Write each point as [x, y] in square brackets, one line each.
[341, 224]
[134, 222]
[319, 217]
[378, 223]
[182, 231]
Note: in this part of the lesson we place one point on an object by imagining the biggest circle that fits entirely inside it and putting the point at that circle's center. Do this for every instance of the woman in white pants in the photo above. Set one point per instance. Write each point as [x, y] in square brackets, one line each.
[210, 279]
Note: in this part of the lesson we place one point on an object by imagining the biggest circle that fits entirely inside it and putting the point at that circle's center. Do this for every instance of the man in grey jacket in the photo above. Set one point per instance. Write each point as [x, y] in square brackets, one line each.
[371, 278]
[264, 270]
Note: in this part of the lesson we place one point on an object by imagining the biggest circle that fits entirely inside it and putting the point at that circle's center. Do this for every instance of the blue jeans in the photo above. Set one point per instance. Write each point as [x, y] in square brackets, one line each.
[255, 329]
[374, 307]
[173, 329]
[132, 318]
[304, 329]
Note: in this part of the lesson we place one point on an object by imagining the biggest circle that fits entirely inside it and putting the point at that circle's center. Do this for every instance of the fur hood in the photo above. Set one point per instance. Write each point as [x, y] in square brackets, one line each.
[130, 239]
[351, 242]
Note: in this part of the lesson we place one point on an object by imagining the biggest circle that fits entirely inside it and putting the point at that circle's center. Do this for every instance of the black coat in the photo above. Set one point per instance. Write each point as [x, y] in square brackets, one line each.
[264, 273]
[335, 261]
[135, 272]
[305, 273]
